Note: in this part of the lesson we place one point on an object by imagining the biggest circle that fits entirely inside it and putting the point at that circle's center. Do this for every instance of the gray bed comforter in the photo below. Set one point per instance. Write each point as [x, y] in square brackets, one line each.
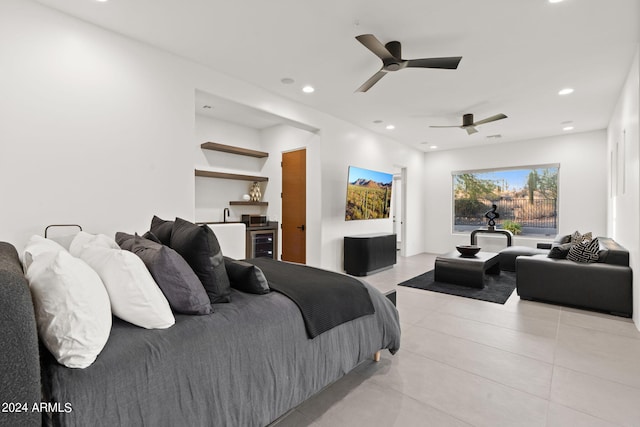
[244, 365]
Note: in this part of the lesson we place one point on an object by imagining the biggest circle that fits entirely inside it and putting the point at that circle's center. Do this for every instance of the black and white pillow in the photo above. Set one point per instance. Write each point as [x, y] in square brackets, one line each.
[585, 252]
[576, 237]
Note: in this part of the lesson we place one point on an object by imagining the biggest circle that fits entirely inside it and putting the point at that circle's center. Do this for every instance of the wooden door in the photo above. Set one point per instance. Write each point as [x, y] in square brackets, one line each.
[294, 206]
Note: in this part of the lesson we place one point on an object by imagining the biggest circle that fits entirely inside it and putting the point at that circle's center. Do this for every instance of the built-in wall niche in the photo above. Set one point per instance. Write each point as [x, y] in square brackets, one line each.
[230, 153]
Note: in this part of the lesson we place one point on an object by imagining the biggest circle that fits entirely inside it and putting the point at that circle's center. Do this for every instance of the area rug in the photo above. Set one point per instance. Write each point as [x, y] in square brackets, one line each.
[498, 288]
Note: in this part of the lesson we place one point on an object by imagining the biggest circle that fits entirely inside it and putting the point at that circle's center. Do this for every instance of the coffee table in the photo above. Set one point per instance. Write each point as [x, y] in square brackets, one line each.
[466, 271]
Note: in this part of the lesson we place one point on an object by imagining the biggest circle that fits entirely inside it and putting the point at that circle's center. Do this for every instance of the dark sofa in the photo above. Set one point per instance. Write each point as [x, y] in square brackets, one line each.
[604, 285]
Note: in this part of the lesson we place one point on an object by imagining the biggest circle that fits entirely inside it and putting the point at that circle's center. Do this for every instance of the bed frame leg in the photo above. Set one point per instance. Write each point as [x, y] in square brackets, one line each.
[376, 356]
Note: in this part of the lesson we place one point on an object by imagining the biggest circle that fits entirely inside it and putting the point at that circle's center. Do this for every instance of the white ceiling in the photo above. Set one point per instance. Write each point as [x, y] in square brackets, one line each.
[517, 55]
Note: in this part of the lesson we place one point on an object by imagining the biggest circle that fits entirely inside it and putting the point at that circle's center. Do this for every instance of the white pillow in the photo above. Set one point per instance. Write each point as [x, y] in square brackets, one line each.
[83, 239]
[134, 295]
[38, 245]
[72, 308]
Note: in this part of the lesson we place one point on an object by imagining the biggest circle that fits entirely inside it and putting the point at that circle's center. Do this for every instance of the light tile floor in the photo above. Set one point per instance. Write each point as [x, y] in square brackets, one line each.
[464, 362]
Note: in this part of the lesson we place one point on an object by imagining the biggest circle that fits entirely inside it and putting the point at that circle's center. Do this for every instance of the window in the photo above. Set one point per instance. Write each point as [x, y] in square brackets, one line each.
[526, 199]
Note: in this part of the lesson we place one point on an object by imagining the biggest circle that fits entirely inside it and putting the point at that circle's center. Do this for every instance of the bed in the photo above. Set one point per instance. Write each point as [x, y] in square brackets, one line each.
[246, 364]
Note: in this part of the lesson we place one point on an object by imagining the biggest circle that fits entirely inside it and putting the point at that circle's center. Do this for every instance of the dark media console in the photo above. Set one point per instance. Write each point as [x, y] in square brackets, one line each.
[369, 253]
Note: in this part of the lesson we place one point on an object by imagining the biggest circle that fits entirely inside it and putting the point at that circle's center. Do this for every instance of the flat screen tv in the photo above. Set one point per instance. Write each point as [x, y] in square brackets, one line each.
[368, 194]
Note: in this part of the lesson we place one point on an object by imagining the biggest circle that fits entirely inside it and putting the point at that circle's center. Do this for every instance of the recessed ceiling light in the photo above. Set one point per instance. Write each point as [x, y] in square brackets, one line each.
[102, 1]
[308, 89]
[567, 128]
[433, 147]
[555, 1]
[287, 80]
[565, 91]
[390, 127]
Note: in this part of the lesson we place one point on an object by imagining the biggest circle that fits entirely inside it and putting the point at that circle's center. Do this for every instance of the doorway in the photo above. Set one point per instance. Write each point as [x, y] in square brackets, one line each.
[294, 206]
[399, 209]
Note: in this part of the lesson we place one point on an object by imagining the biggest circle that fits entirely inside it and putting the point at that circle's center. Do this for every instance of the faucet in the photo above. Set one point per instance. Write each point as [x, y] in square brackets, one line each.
[225, 214]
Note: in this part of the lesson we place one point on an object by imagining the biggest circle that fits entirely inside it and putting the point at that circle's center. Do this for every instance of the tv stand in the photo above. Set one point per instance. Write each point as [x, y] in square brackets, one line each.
[369, 253]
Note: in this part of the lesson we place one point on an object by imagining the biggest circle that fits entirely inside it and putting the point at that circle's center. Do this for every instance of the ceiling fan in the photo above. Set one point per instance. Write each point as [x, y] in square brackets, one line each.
[470, 126]
[391, 57]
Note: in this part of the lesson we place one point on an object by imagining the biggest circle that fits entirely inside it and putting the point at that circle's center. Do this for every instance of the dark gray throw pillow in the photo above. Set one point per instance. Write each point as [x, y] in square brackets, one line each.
[560, 251]
[200, 248]
[174, 277]
[585, 252]
[162, 229]
[246, 277]
[124, 240]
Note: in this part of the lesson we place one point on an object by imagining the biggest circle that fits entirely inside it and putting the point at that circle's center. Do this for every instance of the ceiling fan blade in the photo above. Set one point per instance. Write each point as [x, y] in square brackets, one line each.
[470, 130]
[373, 44]
[450, 63]
[490, 119]
[372, 80]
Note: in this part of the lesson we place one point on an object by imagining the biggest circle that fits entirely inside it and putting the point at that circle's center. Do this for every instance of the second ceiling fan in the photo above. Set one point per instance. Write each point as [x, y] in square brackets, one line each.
[391, 57]
[470, 126]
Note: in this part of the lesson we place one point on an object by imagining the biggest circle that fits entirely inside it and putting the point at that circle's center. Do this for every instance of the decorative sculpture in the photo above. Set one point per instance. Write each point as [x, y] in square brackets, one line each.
[492, 215]
[254, 192]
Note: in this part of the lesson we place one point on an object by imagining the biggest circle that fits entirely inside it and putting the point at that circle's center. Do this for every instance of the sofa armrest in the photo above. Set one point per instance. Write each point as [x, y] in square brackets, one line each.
[598, 286]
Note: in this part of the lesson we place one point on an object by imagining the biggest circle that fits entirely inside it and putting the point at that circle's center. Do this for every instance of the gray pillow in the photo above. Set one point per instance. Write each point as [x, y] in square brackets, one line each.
[124, 240]
[200, 248]
[246, 277]
[162, 230]
[174, 277]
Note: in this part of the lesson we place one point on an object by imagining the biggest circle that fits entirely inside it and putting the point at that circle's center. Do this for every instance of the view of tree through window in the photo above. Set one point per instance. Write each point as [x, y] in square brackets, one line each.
[526, 199]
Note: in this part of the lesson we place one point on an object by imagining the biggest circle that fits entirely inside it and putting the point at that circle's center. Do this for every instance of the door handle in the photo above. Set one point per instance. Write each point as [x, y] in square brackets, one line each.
[301, 227]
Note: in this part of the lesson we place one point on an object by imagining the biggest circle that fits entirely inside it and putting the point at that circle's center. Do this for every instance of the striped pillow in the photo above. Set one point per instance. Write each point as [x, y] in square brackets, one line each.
[585, 252]
[576, 237]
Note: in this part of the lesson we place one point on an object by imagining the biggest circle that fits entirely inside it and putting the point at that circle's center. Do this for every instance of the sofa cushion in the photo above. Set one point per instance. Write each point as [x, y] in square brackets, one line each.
[246, 277]
[562, 239]
[560, 251]
[509, 254]
[200, 248]
[611, 252]
[584, 252]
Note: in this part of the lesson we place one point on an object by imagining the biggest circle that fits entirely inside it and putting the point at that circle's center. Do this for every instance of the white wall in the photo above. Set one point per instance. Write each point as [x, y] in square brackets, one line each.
[95, 128]
[213, 195]
[582, 184]
[343, 147]
[99, 129]
[283, 138]
[624, 175]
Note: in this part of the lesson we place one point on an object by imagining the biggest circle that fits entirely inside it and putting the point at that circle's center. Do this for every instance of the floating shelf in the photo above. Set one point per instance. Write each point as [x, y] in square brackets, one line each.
[224, 175]
[243, 203]
[233, 150]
